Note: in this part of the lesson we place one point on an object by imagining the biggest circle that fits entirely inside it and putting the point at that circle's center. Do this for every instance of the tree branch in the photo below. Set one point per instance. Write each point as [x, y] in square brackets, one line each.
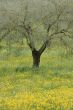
[41, 50]
[29, 36]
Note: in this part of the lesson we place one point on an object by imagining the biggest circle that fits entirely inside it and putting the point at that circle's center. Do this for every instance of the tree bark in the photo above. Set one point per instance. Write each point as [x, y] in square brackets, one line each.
[36, 58]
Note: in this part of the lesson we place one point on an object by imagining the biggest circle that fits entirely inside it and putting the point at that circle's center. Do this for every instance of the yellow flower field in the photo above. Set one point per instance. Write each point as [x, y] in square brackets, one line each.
[48, 88]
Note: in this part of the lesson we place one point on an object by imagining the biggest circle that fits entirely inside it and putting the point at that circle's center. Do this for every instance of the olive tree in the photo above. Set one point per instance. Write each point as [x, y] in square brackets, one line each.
[41, 22]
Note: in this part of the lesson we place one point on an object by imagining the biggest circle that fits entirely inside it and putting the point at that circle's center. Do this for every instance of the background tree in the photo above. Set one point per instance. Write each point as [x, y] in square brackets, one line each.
[40, 22]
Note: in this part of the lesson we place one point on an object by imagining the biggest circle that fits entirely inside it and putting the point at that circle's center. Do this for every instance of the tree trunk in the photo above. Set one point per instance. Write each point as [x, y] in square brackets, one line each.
[37, 54]
[36, 58]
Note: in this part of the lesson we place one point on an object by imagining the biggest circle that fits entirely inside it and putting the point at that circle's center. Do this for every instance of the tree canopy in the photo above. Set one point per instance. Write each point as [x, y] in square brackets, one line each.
[40, 22]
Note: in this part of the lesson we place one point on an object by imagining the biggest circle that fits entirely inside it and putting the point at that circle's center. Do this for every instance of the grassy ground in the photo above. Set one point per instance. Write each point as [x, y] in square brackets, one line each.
[48, 88]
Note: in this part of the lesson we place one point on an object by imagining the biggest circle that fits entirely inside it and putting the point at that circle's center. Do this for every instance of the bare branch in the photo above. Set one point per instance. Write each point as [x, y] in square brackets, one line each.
[58, 16]
[41, 50]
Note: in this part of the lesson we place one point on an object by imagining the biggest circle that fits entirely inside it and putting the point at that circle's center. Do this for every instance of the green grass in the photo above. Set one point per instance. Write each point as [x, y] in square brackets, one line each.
[48, 88]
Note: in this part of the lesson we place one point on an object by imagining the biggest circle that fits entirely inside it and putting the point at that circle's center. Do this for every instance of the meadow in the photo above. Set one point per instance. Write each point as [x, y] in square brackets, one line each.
[24, 88]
